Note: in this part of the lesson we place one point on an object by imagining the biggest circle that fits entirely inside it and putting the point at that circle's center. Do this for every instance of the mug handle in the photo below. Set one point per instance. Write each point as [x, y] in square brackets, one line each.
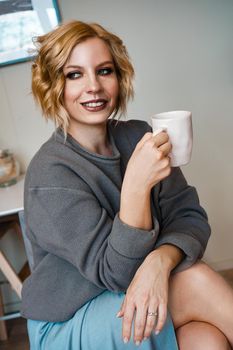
[158, 131]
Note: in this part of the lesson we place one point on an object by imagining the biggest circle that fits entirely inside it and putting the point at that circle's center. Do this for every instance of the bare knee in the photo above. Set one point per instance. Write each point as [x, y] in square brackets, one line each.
[201, 294]
[197, 277]
[201, 335]
[188, 292]
[196, 274]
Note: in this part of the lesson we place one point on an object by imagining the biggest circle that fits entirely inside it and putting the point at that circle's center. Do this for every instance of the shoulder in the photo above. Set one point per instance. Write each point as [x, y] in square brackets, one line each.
[53, 164]
[132, 129]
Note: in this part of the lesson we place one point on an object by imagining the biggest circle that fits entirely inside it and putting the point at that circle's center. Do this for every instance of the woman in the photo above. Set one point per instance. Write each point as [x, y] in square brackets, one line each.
[108, 218]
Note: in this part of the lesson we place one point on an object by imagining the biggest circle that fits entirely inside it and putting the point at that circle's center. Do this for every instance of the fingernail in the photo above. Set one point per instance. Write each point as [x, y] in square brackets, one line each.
[118, 314]
[157, 332]
[138, 342]
[145, 338]
[125, 340]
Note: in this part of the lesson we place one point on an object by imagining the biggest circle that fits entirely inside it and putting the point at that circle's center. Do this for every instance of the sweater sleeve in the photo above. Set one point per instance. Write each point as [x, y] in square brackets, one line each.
[183, 221]
[71, 224]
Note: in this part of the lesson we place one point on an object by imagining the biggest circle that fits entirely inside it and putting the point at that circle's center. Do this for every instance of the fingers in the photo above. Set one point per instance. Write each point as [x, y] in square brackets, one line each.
[160, 141]
[162, 316]
[127, 322]
[165, 148]
[151, 320]
[146, 320]
[158, 131]
[122, 309]
[146, 137]
[158, 138]
[139, 325]
[161, 138]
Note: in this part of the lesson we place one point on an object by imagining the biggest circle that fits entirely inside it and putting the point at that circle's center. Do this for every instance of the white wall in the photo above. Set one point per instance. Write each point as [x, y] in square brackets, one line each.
[183, 55]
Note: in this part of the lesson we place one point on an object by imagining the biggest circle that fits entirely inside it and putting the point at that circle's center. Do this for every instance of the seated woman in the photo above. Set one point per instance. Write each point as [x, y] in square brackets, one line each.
[115, 230]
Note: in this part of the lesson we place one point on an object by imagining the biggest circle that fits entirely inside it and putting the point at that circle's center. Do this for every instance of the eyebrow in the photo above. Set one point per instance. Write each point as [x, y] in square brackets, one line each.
[80, 67]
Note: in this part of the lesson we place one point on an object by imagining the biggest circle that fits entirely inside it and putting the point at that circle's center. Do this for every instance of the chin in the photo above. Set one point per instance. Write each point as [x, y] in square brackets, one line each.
[99, 118]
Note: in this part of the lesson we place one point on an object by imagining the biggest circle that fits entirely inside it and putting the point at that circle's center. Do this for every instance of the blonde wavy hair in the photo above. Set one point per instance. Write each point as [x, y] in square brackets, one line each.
[53, 50]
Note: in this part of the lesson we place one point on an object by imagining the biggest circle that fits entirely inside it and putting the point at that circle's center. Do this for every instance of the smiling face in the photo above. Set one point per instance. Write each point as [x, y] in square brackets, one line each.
[91, 87]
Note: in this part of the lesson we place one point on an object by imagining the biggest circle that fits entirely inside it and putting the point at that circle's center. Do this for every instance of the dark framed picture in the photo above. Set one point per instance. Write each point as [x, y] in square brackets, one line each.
[20, 21]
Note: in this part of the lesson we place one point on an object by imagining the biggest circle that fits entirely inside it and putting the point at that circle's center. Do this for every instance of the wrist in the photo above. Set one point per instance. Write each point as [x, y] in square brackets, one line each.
[134, 194]
[135, 208]
[169, 256]
[133, 189]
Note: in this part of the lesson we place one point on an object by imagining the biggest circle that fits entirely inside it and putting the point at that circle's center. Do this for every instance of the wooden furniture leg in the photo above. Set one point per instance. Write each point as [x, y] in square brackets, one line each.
[3, 330]
[15, 279]
[10, 274]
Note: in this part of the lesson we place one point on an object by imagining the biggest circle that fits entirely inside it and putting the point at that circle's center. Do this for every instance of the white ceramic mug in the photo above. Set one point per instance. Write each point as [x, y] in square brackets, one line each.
[178, 125]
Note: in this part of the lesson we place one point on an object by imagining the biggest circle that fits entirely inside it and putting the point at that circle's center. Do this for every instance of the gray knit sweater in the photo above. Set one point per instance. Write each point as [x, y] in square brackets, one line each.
[80, 246]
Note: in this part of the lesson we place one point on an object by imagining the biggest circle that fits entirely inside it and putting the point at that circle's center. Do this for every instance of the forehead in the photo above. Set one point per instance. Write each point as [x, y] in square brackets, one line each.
[91, 51]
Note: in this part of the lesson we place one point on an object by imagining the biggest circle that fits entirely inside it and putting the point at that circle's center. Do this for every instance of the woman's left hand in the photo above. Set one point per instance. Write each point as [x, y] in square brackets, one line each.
[146, 298]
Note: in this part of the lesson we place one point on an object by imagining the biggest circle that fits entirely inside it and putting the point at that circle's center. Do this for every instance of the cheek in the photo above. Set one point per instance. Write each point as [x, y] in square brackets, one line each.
[114, 89]
[66, 94]
[71, 92]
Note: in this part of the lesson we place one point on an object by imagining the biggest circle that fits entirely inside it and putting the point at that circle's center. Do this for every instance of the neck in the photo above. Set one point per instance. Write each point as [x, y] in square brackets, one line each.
[94, 139]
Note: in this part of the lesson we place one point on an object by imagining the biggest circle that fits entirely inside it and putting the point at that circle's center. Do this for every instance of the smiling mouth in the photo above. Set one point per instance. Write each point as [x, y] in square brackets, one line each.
[94, 105]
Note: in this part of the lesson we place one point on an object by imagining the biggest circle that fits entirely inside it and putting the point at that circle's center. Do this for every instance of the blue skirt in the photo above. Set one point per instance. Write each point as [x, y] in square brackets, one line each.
[95, 327]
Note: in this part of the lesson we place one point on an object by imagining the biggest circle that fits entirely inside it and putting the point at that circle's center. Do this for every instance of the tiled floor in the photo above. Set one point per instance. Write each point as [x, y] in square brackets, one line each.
[17, 330]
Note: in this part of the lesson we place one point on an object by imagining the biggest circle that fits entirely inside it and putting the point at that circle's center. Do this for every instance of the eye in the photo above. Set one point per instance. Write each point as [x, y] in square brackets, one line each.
[105, 71]
[73, 75]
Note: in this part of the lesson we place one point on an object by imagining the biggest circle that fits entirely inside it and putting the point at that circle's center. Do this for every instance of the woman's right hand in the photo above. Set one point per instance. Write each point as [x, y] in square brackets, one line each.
[149, 163]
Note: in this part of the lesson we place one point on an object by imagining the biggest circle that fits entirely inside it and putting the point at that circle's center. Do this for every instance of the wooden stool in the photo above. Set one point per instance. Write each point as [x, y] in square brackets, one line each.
[10, 222]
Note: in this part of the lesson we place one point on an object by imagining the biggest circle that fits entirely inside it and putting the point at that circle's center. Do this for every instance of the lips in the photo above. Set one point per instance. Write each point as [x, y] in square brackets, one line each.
[94, 105]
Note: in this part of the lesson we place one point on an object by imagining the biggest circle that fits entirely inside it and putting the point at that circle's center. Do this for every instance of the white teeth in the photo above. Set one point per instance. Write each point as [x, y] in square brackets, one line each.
[93, 104]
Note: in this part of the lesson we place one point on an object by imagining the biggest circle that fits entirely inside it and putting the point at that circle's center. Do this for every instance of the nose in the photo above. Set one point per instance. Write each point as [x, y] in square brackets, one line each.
[93, 84]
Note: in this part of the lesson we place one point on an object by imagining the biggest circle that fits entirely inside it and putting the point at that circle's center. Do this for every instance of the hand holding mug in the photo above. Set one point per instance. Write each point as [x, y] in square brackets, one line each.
[178, 125]
[149, 162]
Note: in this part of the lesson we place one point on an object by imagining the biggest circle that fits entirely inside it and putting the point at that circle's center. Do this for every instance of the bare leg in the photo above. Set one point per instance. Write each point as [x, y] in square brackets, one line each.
[201, 294]
[201, 336]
